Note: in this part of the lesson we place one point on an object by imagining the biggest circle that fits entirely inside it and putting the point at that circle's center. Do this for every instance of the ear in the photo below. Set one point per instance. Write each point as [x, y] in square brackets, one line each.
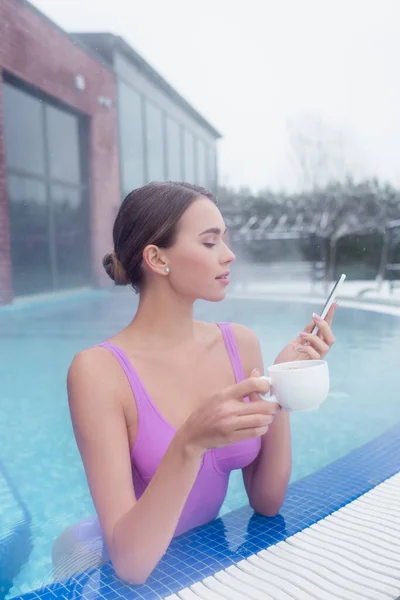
[154, 259]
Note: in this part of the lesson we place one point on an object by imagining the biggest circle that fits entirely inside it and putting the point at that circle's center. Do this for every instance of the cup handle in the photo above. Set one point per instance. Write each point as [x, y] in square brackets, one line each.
[270, 398]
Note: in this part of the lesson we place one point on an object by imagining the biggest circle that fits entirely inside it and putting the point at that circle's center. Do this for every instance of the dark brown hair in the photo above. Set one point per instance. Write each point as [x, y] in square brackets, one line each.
[148, 215]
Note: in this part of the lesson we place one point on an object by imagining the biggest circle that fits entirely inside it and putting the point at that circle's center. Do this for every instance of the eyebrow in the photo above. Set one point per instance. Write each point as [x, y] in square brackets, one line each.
[215, 230]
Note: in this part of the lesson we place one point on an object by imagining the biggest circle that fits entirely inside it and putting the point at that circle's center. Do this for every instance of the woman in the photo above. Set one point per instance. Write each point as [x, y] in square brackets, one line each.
[165, 409]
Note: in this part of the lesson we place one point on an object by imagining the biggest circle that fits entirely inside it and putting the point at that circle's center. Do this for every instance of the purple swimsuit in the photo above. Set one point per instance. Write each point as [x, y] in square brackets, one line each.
[154, 435]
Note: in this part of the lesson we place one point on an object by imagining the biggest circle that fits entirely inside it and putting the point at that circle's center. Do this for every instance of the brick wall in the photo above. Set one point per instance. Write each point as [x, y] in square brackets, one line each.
[36, 51]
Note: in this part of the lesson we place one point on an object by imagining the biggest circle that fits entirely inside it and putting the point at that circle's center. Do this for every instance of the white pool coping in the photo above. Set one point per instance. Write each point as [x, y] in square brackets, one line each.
[352, 554]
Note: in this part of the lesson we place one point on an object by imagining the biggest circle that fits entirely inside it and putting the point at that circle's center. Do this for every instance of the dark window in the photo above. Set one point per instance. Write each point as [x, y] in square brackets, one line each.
[29, 223]
[70, 235]
[212, 168]
[63, 145]
[49, 223]
[188, 157]
[131, 137]
[23, 131]
[201, 164]
[155, 143]
[174, 156]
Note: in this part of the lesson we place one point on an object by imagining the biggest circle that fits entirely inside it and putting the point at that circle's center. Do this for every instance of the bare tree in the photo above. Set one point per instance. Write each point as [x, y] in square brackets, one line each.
[319, 153]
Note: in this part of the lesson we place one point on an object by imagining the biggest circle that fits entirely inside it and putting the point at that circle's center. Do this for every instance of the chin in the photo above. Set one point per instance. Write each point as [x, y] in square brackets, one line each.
[216, 297]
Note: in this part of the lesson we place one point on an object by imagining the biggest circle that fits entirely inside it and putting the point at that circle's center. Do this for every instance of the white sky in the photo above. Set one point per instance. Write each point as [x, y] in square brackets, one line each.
[252, 66]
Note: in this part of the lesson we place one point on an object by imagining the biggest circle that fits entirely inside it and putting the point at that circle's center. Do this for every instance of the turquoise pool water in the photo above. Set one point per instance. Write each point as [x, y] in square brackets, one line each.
[42, 483]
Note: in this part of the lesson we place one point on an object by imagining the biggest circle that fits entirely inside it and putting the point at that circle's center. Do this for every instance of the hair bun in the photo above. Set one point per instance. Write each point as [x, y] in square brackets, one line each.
[114, 269]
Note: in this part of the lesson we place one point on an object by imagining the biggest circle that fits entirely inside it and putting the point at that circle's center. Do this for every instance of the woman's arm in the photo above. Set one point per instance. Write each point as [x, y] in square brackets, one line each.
[137, 532]
[266, 479]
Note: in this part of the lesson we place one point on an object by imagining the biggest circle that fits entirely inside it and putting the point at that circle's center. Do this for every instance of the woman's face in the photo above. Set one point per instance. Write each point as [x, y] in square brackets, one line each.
[200, 257]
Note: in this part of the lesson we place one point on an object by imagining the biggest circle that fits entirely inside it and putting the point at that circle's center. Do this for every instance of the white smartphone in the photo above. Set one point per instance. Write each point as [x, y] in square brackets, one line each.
[331, 299]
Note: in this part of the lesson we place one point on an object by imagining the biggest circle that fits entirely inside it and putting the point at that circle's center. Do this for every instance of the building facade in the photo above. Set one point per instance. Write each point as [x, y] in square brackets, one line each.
[59, 170]
[83, 120]
[161, 135]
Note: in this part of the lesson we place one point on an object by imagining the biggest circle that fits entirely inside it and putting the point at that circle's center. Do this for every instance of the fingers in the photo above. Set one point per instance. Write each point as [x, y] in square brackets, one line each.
[331, 312]
[309, 352]
[270, 408]
[245, 434]
[263, 407]
[325, 330]
[253, 421]
[255, 397]
[328, 319]
[309, 327]
[315, 342]
[244, 388]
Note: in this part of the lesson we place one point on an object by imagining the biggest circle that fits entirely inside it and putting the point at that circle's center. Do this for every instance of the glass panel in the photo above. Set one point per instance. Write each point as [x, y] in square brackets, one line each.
[29, 228]
[71, 237]
[155, 145]
[174, 163]
[212, 168]
[23, 131]
[63, 139]
[188, 157]
[131, 138]
[201, 164]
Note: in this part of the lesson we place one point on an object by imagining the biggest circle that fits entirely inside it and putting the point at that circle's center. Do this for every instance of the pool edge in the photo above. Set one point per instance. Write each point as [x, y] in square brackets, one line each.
[240, 533]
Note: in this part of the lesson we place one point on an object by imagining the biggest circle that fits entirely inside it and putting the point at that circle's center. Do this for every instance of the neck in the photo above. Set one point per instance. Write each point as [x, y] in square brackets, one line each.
[163, 319]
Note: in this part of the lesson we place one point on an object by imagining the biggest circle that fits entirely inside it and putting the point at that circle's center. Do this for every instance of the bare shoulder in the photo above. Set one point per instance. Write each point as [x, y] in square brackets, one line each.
[245, 336]
[90, 363]
[93, 374]
[249, 348]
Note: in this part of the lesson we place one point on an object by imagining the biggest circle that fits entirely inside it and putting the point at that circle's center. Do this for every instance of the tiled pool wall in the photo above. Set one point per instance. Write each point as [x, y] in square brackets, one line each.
[212, 547]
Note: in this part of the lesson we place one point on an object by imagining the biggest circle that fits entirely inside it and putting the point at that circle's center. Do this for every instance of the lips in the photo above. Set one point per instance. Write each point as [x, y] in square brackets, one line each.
[224, 275]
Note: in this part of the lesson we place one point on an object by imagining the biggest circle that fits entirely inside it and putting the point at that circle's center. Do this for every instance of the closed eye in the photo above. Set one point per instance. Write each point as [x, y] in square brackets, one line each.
[208, 244]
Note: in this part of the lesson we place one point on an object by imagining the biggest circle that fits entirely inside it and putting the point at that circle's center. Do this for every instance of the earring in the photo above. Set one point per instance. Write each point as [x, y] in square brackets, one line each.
[167, 269]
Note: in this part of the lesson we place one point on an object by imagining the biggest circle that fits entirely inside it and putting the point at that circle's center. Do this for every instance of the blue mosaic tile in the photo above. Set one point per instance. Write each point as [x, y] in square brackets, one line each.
[237, 535]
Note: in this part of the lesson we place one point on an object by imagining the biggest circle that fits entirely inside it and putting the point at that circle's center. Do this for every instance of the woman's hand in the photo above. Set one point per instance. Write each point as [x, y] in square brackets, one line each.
[225, 418]
[307, 346]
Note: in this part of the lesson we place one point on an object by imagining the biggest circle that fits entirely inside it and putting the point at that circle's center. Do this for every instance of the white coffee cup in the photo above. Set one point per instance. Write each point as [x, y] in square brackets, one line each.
[301, 385]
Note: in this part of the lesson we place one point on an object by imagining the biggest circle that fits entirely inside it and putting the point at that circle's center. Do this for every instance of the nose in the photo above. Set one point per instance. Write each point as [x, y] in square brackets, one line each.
[228, 256]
